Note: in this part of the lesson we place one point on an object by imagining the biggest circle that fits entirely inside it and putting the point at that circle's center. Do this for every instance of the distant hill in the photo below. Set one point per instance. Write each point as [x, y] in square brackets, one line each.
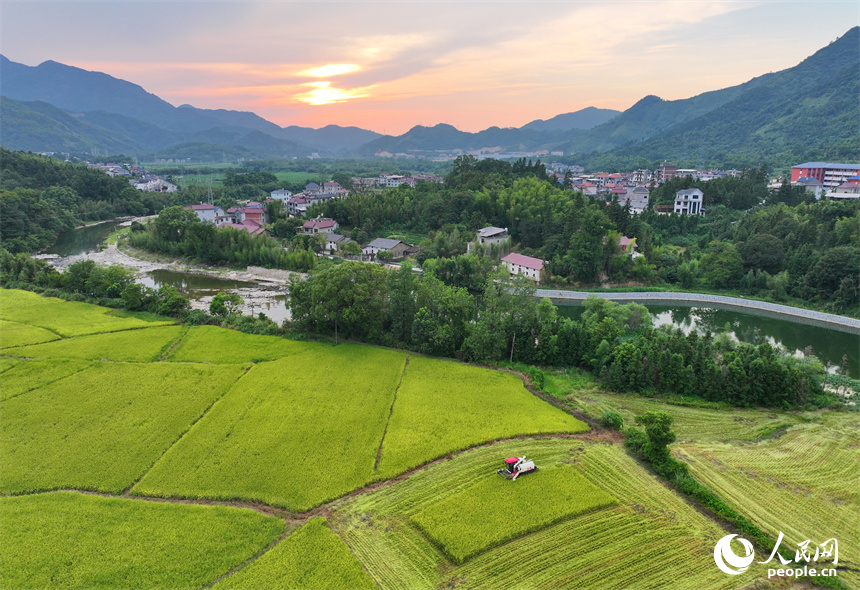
[583, 119]
[142, 121]
[808, 112]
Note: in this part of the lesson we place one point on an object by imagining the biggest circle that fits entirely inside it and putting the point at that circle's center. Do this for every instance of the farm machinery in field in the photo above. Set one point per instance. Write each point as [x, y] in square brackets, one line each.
[516, 466]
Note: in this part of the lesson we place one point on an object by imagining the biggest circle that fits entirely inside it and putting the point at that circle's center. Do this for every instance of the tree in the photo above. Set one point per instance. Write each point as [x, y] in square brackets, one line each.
[722, 265]
[173, 223]
[225, 304]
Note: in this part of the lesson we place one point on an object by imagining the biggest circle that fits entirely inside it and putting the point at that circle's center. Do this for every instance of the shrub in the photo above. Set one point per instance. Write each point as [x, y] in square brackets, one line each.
[612, 420]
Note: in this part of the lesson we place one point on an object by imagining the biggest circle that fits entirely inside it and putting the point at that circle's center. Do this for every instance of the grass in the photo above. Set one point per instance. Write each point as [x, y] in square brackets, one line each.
[496, 510]
[105, 427]
[70, 540]
[144, 345]
[212, 344]
[7, 363]
[444, 407]
[14, 334]
[66, 318]
[650, 539]
[312, 557]
[294, 432]
[803, 483]
[29, 375]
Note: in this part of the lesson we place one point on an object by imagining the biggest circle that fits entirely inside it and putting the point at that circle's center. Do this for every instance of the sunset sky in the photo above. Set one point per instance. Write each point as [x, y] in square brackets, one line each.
[387, 66]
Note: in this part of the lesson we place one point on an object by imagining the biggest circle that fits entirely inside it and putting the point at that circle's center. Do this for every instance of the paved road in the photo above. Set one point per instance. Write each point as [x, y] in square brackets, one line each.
[829, 320]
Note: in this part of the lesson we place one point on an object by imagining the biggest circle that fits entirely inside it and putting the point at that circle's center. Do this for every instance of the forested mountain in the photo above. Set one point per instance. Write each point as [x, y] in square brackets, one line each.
[807, 112]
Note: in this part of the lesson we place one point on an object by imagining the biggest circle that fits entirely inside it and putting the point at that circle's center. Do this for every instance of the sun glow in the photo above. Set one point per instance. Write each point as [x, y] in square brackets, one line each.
[324, 93]
[330, 70]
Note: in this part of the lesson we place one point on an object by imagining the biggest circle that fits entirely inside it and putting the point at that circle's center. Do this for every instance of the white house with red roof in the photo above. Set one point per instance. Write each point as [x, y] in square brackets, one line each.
[518, 264]
[331, 188]
[206, 212]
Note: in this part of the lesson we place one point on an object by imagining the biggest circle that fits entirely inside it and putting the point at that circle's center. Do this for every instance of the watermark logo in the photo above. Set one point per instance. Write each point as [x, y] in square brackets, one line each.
[723, 555]
[731, 563]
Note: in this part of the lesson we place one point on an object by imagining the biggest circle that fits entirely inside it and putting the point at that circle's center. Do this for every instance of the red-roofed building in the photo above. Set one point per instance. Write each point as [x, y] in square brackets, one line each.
[518, 264]
[320, 225]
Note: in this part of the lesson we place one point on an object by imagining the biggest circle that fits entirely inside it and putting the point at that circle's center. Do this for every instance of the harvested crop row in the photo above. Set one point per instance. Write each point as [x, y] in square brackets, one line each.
[129, 345]
[689, 423]
[103, 428]
[603, 548]
[70, 540]
[804, 483]
[311, 557]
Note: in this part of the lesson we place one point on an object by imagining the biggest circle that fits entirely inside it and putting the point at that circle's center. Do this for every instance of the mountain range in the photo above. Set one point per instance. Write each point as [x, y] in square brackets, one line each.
[809, 111]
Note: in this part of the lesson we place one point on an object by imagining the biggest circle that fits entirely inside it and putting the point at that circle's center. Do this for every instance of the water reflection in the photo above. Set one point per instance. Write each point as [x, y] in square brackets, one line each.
[82, 240]
[839, 351]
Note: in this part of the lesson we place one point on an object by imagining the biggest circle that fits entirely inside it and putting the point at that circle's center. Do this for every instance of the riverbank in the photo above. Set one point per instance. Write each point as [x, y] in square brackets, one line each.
[828, 320]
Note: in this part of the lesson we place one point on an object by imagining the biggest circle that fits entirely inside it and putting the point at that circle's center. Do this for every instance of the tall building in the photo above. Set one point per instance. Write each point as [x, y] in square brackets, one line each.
[665, 171]
[829, 174]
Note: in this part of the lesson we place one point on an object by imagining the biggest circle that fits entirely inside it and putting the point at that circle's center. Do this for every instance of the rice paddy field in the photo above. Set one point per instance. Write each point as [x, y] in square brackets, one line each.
[365, 467]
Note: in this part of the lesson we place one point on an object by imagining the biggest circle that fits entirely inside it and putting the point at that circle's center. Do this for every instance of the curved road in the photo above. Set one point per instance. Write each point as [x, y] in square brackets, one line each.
[829, 320]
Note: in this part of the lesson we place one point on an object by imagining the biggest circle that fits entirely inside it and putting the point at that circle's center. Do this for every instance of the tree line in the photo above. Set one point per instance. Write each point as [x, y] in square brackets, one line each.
[503, 321]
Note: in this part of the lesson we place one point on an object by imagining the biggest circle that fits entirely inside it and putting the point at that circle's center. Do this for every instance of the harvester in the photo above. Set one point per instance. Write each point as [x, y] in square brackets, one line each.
[516, 466]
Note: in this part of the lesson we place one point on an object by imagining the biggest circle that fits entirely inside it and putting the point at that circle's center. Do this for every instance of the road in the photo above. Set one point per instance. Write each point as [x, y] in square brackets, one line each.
[838, 322]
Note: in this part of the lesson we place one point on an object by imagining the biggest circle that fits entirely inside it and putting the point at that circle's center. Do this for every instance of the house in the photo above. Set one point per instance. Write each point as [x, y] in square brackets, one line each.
[847, 190]
[319, 225]
[331, 188]
[252, 227]
[312, 188]
[812, 185]
[492, 235]
[396, 247]
[638, 199]
[688, 201]
[208, 213]
[282, 195]
[664, 209]
[665, 171]
[334, 242]
[524, 265]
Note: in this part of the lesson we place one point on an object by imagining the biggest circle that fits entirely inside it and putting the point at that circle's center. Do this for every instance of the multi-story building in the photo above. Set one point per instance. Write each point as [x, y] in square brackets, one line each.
[829, 174]
[689, 202]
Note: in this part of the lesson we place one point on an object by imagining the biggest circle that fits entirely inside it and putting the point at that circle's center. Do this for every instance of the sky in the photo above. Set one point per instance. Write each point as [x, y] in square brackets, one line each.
[388, 66]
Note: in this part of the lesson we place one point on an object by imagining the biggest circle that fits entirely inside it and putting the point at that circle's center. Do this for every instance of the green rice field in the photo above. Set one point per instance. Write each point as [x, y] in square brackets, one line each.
[368, 468]
[496, 510]
[71, 540]
[312, 557]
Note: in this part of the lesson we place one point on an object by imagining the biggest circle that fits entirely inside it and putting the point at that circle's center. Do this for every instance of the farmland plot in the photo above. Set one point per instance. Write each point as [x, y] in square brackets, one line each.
[71, 540]
[689, 423]
[212, 344]
[495, 510]
[102, 429]
[804, 484]
[130, 345]
[7, 363]
[30, 375]
[445, 406]
[294, 432]
[312, 557]
[650, 538]
[14, 334]
[67, 318]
